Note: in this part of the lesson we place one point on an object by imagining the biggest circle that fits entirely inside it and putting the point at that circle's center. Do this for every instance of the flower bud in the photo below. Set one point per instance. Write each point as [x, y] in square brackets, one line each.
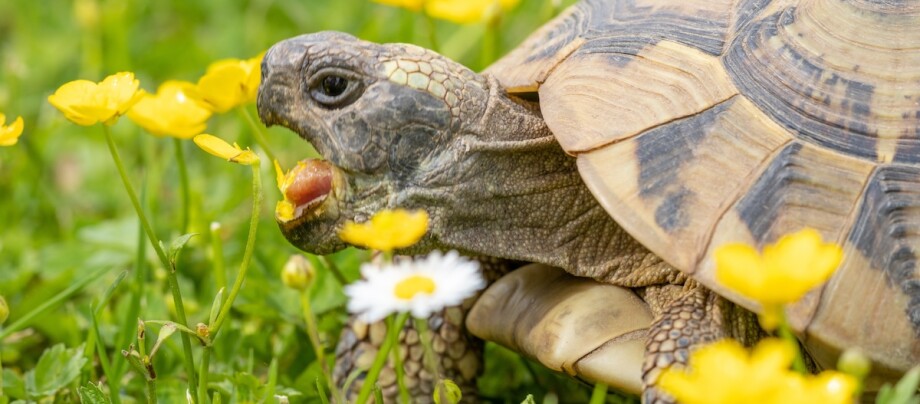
[447, 392]
[4, 310]
[854, 363]
[202, 331]
[298, 273]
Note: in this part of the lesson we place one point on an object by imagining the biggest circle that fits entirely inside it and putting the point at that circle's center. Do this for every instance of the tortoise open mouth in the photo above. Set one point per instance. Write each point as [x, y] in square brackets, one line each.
[309, 189]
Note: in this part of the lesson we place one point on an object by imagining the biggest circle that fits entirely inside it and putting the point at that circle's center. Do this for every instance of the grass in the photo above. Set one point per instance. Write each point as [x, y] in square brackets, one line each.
[76, 267]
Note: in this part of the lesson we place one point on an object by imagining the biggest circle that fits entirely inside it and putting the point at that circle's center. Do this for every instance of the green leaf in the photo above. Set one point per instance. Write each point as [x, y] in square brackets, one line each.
[529, 400]
[905, 392]
[13, 385]
[57, 367]
[92, 394]
[175, 247]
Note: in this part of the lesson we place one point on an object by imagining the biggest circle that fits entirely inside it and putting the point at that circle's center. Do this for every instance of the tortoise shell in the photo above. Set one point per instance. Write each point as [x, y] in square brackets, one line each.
[701, 122]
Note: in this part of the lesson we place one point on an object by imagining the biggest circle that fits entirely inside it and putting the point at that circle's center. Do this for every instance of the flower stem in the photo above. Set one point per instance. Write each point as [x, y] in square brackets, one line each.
[381, 358]
[798, 364]
[257, 132]
[203, 375]
[247, 254]
[599, 394]
[425, 336]
[152, 391]
[171, 273]
[183, 182]
[313, 332]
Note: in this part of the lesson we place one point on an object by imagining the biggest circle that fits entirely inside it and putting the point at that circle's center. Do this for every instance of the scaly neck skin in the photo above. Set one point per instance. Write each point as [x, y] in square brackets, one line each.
[515, 194]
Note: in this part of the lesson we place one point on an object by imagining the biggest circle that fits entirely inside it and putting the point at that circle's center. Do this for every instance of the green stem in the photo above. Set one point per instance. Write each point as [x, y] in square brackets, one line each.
[152, 391]
[313, 333]
[247, 254]
[381, 358]
[257, 132]
[217, 259]
[798, 363]
[104, 361]
[428, 357]
[171, 273]
[203, 375]
[400, 378]
[134, 307]
[183, 182]
[599, 395]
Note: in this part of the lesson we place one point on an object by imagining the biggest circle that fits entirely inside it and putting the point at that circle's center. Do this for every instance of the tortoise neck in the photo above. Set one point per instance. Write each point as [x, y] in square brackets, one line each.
[515, 194]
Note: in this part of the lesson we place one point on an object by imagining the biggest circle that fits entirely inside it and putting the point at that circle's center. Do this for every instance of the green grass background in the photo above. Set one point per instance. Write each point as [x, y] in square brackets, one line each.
[64, 214]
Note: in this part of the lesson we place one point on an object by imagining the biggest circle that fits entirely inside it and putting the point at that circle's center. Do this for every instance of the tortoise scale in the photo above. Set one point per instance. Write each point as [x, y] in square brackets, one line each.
[692, 123]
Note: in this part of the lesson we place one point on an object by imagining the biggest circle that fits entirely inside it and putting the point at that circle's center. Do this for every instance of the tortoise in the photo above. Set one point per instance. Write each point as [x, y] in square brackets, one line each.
[624, 141]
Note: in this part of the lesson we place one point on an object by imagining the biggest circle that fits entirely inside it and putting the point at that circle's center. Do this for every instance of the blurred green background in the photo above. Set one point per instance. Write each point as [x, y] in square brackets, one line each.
[65, 215]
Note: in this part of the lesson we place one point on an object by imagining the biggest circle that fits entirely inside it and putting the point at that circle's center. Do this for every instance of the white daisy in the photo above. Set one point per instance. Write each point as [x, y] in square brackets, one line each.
[421, 286]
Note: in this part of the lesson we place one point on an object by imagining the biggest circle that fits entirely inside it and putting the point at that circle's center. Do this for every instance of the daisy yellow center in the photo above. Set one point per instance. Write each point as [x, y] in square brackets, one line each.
[413, 285]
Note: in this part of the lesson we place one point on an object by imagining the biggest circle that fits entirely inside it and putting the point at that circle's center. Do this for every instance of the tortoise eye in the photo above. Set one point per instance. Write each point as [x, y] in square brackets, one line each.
[334, 86]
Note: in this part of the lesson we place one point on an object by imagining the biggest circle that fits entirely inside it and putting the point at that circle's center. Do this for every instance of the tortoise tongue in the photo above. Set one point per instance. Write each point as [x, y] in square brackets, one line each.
[309, 183]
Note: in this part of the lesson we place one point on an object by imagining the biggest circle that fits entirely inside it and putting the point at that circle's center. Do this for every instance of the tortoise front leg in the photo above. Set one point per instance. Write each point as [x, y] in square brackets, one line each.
[457, 352]
[458, 355]
[687, 317]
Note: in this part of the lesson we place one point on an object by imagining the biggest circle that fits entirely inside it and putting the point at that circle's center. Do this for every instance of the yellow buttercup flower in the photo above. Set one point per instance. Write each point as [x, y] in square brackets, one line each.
[172, 111]
[230, 83]
[86, 103]
[412, 5]
[457, 11]
[387, 230]
[218, 147]
[9, 134]
[284, 209]
[784, 272]
[467, 11]
[724, 372]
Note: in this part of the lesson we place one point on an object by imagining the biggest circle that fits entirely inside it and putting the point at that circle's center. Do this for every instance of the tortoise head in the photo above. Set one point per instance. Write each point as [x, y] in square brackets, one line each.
[386, 117]
[401, 126]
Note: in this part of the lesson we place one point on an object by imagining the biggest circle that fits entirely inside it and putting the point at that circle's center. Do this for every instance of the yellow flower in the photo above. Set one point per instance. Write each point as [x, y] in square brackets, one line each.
[828, 387]
[284, 209]
[218, 147]
[724, 372]
[9, 134]
[230, 83]
[457, 11]
[467, 11]
[387, 230]
[86, 103]
[784, 272]
[173, 111]
[412, 5]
